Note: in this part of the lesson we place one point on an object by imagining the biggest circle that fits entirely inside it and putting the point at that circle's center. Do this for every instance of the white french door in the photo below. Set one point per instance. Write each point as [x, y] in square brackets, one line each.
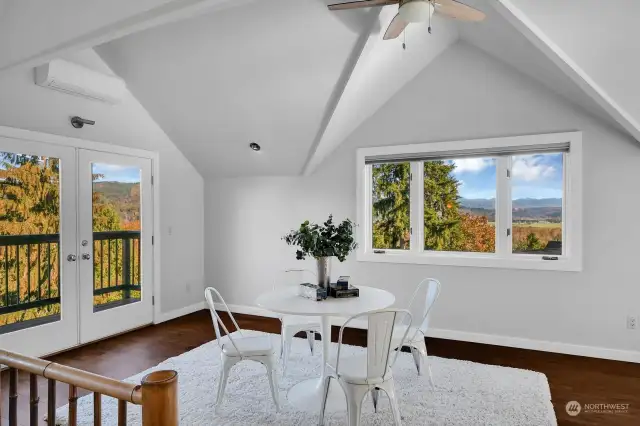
[115, 247]
[76, 257]
[38, 296]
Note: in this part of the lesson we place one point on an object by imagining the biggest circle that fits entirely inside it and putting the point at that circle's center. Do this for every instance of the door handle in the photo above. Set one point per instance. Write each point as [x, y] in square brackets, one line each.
[86, 256]
[72, 258]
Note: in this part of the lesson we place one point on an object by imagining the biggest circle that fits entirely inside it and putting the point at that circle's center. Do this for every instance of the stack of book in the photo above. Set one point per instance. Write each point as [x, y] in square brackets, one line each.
[341, 289]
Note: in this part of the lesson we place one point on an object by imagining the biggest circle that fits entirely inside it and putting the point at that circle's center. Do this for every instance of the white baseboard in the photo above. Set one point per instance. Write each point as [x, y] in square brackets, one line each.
[166, 316]
[489, 339]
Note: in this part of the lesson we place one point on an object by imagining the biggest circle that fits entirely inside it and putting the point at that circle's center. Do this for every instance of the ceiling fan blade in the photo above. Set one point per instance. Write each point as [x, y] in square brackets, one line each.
[456, 10]
[360, 4]
[396, 27]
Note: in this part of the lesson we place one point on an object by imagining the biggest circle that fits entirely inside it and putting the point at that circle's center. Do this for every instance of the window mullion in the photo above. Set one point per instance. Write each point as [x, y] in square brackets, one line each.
[503, 207]
[417, 198]
[368, 209]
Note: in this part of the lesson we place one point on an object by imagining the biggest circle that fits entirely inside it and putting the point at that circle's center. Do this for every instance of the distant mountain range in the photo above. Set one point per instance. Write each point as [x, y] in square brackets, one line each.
[524, 209]
[125, 198]
[489, 203]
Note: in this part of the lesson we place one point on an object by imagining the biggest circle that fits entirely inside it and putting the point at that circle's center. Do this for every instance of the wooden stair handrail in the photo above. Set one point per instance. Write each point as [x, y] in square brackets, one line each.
[79, 378]
[157, 393]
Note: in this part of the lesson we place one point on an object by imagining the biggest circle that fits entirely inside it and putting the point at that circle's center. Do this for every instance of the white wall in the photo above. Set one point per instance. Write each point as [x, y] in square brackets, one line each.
[27, 106]
[463, 94]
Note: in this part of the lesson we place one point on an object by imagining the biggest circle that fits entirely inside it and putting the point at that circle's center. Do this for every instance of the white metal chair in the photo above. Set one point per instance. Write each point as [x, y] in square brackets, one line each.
[293, 324]
[361, 374]
[423, 299]
[240, 346]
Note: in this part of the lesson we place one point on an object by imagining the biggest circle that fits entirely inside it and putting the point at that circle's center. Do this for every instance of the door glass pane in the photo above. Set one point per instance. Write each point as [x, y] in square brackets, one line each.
[29, 240]
[390, 205]
[459, 205]
[536, 206]
[116, 235]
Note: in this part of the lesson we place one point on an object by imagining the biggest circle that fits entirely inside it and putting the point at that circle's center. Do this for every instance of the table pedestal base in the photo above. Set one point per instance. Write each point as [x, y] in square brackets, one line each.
[307, 396]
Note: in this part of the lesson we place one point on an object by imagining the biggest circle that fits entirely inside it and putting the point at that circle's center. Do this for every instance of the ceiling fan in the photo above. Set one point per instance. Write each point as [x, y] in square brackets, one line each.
[416, 11]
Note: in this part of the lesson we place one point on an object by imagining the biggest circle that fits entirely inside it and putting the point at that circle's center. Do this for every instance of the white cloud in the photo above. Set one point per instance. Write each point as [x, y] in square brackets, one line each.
[531, 167]
[472, 165]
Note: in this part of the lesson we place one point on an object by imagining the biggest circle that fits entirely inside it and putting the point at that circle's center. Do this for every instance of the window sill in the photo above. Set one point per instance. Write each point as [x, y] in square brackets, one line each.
[473, 260]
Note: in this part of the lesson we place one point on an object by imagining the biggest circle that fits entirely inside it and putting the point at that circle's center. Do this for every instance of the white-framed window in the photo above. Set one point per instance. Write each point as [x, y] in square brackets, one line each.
[512, 202]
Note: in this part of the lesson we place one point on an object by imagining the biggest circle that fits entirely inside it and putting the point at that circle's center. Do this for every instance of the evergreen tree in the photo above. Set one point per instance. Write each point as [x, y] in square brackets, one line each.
[391, 184]
[441, 207]
[446, 228]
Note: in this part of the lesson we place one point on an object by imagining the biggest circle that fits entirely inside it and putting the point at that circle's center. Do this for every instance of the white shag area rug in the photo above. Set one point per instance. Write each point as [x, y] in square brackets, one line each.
[466, 393]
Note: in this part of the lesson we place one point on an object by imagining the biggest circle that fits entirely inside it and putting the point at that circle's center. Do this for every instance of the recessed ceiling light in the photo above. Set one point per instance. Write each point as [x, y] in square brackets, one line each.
[254, 146]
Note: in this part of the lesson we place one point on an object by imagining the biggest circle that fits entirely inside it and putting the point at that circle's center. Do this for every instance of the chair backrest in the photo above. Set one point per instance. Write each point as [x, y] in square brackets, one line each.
[213, 296]
[292, 276]
[423, 300]
[380, 337]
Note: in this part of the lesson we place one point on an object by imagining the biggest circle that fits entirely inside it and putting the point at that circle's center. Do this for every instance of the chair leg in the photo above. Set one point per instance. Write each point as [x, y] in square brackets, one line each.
[375, 393]
[417, 359]
[287, 337]
[273, 381]
[311, 338]
[225, 367]
[425, 357]
[325, 395]
[390, 389]
[355, 396]
[282, 338]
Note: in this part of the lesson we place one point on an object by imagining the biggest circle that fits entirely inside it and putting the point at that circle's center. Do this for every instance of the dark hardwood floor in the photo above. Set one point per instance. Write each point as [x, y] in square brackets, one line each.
[586, 380]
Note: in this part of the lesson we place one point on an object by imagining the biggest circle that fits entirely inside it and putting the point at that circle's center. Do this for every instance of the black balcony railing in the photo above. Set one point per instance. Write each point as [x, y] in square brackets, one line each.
[30, 270]
[116, 263]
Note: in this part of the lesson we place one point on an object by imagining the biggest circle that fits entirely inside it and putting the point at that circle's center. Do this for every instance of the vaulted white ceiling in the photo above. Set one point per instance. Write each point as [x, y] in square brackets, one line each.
[602, 38]
[263, 72]
[299, 79]
[497, 37]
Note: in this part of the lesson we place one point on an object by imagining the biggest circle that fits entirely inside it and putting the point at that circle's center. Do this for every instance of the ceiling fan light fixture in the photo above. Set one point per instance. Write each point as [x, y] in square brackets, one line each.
[416, 11]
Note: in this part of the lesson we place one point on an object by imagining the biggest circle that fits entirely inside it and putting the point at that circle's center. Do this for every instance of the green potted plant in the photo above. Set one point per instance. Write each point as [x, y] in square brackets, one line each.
[323, 242]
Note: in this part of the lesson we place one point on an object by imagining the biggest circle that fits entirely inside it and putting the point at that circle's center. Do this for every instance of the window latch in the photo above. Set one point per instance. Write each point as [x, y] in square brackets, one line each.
[549, 257]
[379, 251]
[508, 232]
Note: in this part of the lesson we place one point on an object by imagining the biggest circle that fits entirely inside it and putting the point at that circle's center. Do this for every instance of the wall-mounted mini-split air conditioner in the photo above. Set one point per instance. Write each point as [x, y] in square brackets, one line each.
[77, 80]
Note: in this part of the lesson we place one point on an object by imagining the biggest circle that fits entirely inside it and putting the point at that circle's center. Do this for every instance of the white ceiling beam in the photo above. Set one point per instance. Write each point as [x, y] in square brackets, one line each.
[560, 58]
[379, 70]
[34, 32]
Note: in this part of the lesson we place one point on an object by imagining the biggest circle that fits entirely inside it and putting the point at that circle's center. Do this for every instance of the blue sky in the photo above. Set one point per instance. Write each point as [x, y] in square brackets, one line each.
[117, 173]
[532, 176]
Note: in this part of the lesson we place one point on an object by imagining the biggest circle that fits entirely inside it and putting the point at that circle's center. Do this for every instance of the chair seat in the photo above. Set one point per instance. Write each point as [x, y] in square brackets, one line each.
[353, 369]
[248, 346]
[298, 320]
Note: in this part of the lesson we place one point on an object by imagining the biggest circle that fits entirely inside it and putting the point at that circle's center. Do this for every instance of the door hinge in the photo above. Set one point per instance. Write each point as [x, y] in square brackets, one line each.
[411, 231]
[151, 179]
[152, 240]
[153, 300]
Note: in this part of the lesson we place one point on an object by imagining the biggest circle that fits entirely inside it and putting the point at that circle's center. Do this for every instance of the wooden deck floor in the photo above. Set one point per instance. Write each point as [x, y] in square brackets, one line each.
[586, 380]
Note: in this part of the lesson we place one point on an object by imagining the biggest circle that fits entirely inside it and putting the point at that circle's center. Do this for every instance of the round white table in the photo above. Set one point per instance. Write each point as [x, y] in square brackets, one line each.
[307, 395]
